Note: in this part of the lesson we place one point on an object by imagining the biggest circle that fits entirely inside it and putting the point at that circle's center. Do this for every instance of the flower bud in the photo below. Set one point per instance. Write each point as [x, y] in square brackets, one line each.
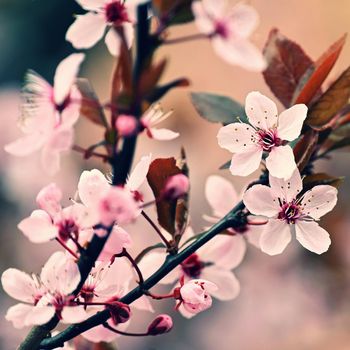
[49, 199]
[176, 186]
[120, 312]
[160, 325]
[126, 125]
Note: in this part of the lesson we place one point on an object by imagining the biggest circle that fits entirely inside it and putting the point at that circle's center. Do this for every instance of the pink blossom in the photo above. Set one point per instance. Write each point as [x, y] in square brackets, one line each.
[46, 296]
[113, 15]
[49, 114]
[229, 31]
[196, 296]
[288, 212]
[268, 132]
[152, 117]
[126, 125]
[176, 186]
[161, 324]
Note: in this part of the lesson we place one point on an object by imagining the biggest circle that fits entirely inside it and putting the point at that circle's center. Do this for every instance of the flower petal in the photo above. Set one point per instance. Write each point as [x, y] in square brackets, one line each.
[243, 20]
[236, 137]
[143, 303]
[280, 162]
[203, 21]
[26, 144]
[261, 111]
[39, 315]
[50, 160]
[275, 237]
[163, 134]
[17, 314]
[139, 173]
[91, 4]
[253, 234]
[312, 236]
[245, 163]
[73, 314]
[319, 201]
[113, 42]
[291, 121]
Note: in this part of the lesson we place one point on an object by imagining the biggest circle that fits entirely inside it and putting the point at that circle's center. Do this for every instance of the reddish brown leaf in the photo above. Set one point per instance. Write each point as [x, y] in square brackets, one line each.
[331, 102]
[304, 149]
[175, 12]
[286, 64]
[321, 179]
[313, 78]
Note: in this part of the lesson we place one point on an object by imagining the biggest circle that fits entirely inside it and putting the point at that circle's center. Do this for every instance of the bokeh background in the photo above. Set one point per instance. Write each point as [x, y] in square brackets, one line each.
[293, 301]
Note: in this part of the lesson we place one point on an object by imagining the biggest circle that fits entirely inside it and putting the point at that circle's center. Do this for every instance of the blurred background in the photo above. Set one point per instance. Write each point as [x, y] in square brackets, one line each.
[294, 301]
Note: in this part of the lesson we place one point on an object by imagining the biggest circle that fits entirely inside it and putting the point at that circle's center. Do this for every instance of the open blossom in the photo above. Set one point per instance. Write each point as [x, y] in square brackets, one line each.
[196, 296]
[289, 212]
[268, 132]
[89, 28]
[229, 31]
[53, 221]
[42, 298]
[49, 114]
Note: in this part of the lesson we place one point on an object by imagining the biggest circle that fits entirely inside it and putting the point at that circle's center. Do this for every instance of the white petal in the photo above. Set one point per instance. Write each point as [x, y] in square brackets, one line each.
[50, 160]
[61, 139]
[112, 41]
[91, 4]
[86, 30]
[67, 276]
[220, 194]
[261, 111]
[65, 76]
[19, 285]
[139, 173]
[163, 134]
[261, 200]
[275, 237]
[312, 236]
[17, 314]
[215, 8]
[244, 19]
[291, 121]
[39, 315]
[253, 234]
[74, 314]
[236, 137]
[280, 162]
[286, 189]
[204, 23]
[245, 163]
[225, 280]
[26, 144]
[319, 201]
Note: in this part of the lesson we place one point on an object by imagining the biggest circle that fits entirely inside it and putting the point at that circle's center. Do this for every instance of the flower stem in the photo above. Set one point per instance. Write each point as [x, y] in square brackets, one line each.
[67, 248]
[183, 39]
[106, 325]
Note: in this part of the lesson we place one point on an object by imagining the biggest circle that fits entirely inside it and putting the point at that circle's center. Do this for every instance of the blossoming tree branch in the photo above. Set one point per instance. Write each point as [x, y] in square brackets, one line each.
[92, 283]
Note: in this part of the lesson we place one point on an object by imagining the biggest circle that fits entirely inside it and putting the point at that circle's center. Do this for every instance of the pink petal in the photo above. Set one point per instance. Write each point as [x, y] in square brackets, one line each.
[261, 200]
[73, 314]
[91, 4]
[286, 189]
[225, 280]
[319, 201]
[275, 237]
[71, 112]
[26, 144]
[163, 134]
[143, 303]
[139, 173]
[19, 285]
[243, 20]
[38, 227]
[67, 276]
[50, 161]
[61, 139]
[214, 8]
[312, 236]
[113, 42]
[39, 315]
[236, 137]
[92, 184]
[253, 234]
[220, 194]
[204, 23]
[261, 111]
[86, 30]
[245, 163]
[49, 199]
[65, 76]
[291, 121]
[280, 162]
[17, 314]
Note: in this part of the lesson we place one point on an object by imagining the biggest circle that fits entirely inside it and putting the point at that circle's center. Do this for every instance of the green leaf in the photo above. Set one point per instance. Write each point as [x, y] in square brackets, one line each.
[217, 108]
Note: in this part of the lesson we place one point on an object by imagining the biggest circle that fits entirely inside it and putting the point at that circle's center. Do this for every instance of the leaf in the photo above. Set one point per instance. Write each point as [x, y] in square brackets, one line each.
[161, 90]
[90, 105]
[313, 78]
[173, 12]
[331, 102]
[286, 64]
[304, 149]
[338, 144]
[225, 165]
[218, 109]
[313, 180]
[159, 172]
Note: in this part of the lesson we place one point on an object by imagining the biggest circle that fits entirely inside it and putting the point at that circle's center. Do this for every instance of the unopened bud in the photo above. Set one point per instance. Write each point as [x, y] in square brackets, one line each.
[120, 312]
[160, 325]
[126, 125]
[176, 186]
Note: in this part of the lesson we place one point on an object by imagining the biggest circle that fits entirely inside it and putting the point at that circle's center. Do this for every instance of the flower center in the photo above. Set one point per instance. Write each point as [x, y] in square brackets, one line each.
[290, 212]
[268, 139]
[60, 107]
[221, 29]
[67, 229]
[116, 13]
[192, 266]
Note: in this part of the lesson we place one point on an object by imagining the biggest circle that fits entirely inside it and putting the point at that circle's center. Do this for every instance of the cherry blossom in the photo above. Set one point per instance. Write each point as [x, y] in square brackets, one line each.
[268, 132]
[229, 31]
[152, 117]
[288, 211]
[196, 297]
[176, 186]
[113, 15]
[49, 114]
[46, 296]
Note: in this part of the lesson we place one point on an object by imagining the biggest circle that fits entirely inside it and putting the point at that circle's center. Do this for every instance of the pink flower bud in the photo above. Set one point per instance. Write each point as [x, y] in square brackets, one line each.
[49, 199]
[160, 325]
[120, 312]
[126, 125]
[176, 186]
